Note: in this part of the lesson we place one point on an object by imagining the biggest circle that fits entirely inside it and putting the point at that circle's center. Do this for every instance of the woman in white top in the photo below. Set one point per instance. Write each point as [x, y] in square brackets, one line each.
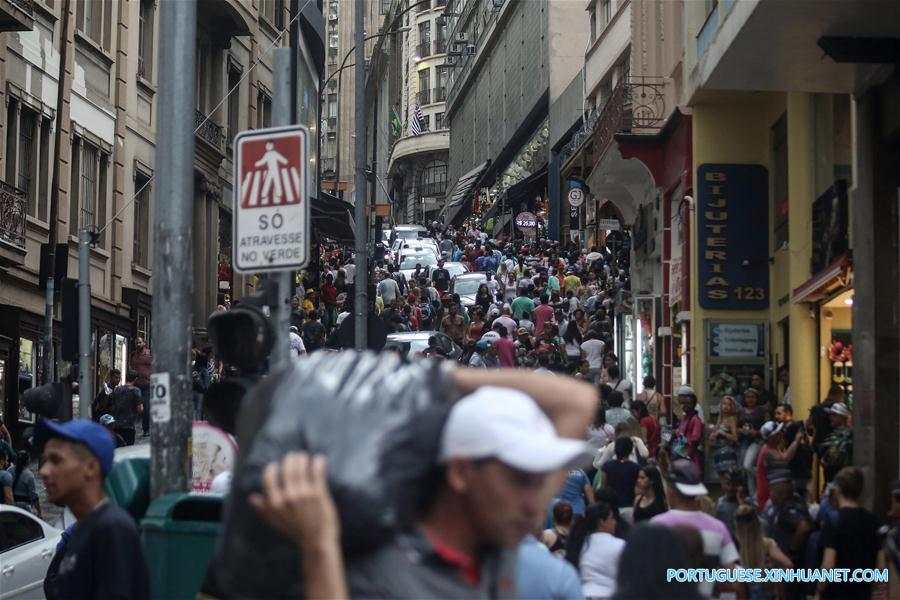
[510, 288]
[595, 551]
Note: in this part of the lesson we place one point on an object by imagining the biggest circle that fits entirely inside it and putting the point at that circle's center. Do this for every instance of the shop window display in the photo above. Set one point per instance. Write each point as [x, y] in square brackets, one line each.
[27, 376]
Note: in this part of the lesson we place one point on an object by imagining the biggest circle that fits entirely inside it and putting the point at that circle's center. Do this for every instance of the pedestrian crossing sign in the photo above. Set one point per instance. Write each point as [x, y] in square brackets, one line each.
[271, 199]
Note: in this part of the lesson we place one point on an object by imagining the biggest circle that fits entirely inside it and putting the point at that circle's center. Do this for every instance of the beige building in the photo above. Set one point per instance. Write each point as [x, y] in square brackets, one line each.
[107, 164]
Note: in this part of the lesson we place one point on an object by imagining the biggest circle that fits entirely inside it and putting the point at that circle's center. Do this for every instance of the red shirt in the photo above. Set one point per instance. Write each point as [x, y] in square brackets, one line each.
[652, 427]
[329, 294]
[142, 364]
[542, 314]
[506, 352]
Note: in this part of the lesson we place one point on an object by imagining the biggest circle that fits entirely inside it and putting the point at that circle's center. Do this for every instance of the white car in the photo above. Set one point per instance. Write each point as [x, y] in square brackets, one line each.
[409, 260]
[27, 545]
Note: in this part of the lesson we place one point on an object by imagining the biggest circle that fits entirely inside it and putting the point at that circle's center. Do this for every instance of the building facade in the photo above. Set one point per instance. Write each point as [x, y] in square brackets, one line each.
[106, 165]
[794, 230]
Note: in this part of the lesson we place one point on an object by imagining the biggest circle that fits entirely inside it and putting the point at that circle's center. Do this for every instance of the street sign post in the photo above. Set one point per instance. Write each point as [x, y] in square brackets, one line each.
[271, 176]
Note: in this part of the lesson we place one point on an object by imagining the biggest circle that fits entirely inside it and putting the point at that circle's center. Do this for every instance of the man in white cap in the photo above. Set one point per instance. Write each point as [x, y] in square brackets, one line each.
[502, 455]
[683, 486]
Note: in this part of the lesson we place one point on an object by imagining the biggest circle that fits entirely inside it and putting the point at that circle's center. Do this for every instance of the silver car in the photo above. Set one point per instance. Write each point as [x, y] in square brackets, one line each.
[466, 285]
[413, 343]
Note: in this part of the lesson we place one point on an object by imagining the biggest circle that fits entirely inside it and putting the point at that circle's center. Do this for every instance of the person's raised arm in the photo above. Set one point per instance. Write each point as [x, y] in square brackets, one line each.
[569, 403]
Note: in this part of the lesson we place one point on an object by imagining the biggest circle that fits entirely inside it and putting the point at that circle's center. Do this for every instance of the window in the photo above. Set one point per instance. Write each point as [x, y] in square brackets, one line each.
[426, 123]
[234, 103]
[142, 221]
[263, 110]
[424, 47]
[88, 194]
[28, 156]
[384, 6]
[592, 20]
[145, 40]
[439, 120]
[332, 136]
[442, 77]
[273, 11]
[424, 79]
[25, 173]
[433, 179]
[332, 106]
[95, 21]
[333, 40]
[780, 181]
[17, 530]
[605, 13]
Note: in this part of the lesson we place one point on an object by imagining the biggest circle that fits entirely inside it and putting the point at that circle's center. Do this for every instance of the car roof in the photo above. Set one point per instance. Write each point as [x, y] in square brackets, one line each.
[471, 275]
[409, 228]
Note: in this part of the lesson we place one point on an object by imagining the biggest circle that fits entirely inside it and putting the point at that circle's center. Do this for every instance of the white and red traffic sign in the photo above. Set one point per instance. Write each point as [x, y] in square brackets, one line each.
[271, 199]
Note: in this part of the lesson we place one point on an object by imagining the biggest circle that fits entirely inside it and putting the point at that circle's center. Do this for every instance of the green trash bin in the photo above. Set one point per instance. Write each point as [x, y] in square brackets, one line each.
[128, 485]
[179, 533]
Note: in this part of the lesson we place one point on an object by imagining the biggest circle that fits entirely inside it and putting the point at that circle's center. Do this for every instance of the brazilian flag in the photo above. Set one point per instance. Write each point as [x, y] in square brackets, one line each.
[396, 125]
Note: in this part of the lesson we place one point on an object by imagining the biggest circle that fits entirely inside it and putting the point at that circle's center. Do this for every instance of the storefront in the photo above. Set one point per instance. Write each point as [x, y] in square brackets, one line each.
[20, 364]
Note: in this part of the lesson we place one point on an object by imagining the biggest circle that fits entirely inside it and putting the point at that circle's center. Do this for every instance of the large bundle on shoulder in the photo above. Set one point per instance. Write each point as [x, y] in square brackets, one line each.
[377, 420]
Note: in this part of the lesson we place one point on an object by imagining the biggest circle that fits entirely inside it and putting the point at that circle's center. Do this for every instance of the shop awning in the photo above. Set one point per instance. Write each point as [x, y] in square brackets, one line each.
[458, 205]
[332, 218]
[824, 284]
[518, 194]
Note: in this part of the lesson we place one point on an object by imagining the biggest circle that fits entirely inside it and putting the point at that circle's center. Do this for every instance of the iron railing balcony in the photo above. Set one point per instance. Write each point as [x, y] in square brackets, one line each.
[440, 46]
[439, 94]
[209, 132]
[636, 105]
[423, 50]
[16, 15]
[423, 97]
[436, 189]
[13, 206]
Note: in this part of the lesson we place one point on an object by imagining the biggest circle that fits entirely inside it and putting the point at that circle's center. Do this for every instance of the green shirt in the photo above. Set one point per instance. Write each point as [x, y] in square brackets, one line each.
[522, 305]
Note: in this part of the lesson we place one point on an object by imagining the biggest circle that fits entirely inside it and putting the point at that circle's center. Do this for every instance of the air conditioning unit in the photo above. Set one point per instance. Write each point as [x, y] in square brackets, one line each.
[441, 21]
[461, 36]
[332, 17]
[451, 61]
[455, 50]
[471, 49]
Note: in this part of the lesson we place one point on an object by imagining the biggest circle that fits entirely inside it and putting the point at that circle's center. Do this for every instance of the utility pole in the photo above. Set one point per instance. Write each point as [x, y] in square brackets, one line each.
[85, 385]
[361, 307]
[170, 396]
[281, 116]
[54, 204]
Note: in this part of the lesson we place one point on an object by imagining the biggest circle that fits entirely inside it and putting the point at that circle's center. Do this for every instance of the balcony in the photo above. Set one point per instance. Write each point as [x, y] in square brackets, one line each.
[435, 189]
[440, 46]
[12, 217]
[636, 106]
[440, 94]
[16, 15]
[423, 97]
[209, 132]
[423, 50]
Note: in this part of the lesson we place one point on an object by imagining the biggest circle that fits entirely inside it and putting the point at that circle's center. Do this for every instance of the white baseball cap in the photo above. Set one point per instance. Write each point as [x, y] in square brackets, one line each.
[502, 423]
[492, 336]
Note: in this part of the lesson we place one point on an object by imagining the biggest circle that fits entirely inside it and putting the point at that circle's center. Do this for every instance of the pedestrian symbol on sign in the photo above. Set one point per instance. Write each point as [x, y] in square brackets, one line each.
[273, 180]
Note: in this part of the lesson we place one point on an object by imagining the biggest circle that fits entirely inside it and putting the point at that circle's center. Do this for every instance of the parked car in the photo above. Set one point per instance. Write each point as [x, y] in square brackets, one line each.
[466, 285]
[409, 232]
[27, 545]
[454, 268]
[414, 343]
[407, 246]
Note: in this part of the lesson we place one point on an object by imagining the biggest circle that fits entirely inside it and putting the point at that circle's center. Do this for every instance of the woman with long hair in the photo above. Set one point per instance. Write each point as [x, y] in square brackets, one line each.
[594, 550]
[476, 325]
[573, 340]
[649, 495]
[757, 551]
[649, 553]
[483, 298]
[724, 437]
[556, 537]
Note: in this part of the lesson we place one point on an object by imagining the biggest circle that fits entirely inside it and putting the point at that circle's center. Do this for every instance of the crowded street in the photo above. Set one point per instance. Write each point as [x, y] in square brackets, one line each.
[438, 299]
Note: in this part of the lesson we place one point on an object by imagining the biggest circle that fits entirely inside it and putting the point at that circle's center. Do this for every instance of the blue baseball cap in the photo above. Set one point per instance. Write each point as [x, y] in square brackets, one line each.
[93, 435]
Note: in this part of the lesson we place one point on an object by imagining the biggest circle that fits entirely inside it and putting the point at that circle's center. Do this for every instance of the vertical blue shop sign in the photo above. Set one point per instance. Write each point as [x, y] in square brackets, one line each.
[733, 236]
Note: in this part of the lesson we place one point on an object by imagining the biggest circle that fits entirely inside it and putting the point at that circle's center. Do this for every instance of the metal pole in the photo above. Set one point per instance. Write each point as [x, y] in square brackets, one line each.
[50, 303]
[170, 402]
[281, 116]
[85, 386]
[361, 308]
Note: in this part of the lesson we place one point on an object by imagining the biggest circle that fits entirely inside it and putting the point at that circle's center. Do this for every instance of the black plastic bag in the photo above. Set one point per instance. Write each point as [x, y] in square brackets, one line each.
[377, 420]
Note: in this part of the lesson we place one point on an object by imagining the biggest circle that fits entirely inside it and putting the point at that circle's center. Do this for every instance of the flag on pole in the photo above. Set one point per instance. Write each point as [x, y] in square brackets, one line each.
[396, 125]
[415, 124]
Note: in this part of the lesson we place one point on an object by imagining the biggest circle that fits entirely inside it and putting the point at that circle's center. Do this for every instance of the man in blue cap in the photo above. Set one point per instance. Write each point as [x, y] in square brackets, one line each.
[103, 556]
